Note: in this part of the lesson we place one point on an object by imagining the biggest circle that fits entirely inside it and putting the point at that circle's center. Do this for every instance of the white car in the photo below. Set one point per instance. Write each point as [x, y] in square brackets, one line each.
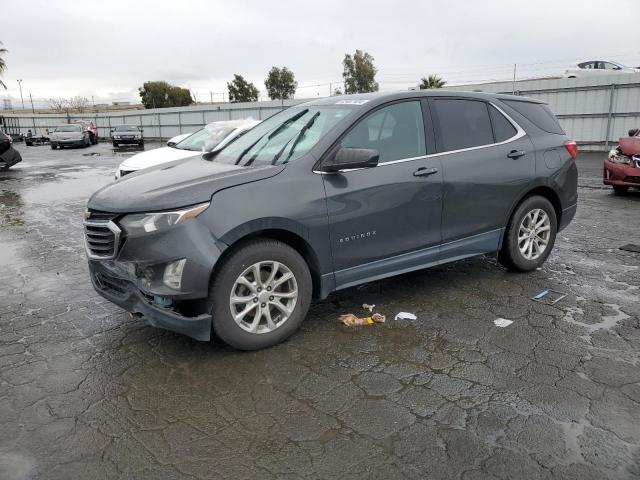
[178, 138]
[592, 68]
[214, 136]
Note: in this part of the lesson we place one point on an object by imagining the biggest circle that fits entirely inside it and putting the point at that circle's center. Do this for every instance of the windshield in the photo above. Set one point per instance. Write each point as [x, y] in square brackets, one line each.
[69, 128]
[284, 137]
[126, 128]
[205, 139]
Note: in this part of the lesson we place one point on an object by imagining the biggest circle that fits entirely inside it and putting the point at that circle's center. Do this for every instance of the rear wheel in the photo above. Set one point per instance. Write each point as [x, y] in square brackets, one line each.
[620, 189]
[530, 235]
[260, 295]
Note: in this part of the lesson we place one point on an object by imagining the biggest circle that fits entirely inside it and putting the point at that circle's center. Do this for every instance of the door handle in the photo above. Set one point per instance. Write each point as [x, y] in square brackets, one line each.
[516, 154]
[425, 172]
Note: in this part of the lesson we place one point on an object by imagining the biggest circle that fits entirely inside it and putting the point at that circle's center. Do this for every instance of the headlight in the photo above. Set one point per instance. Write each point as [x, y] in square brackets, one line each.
[615, 158]
[141, 223]
[116, 136]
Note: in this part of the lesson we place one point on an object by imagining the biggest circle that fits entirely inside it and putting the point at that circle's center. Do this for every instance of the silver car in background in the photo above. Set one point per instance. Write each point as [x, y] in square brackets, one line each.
[69, 135]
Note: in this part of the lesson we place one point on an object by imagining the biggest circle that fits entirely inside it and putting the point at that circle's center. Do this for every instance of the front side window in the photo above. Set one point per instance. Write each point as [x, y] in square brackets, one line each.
[611, 66]
[284, 137]
[396, 132]
[463, 123]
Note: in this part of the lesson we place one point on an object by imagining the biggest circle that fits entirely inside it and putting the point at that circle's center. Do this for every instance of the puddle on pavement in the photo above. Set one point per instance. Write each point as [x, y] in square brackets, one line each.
[11, 208]
[77, 185]
[606, 322]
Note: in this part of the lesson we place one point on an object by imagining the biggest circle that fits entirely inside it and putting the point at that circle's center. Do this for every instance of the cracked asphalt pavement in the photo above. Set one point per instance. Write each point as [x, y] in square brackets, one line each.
[87, 392]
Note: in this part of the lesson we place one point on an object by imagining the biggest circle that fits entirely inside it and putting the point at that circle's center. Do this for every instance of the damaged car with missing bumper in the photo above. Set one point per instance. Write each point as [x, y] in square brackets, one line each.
[622, 166]
[327, 195]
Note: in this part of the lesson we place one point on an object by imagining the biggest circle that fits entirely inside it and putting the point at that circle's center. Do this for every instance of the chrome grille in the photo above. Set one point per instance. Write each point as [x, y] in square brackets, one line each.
[101, 235]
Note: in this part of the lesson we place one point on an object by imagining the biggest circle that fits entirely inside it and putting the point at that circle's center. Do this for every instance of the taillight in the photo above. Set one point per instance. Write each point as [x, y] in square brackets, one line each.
[572, 148]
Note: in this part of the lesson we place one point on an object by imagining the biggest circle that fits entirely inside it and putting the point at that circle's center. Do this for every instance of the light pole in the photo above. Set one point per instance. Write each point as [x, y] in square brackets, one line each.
[20, 85]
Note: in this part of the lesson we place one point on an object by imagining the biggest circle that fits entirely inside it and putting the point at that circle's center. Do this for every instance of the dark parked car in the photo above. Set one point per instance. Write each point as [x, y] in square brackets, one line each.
[9, 156]
[127, 135]
[326, 195]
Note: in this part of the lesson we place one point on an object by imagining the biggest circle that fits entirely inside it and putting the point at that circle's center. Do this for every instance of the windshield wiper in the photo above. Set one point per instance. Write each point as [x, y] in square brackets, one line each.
[303, 130]
[281, 127]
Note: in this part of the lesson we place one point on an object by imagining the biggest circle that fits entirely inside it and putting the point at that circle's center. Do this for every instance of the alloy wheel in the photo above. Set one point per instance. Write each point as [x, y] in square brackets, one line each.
[534, 234]
[263, 297]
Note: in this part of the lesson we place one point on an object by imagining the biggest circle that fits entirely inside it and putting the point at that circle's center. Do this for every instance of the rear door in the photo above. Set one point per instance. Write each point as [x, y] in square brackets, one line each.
[386, 219]
[487, 159]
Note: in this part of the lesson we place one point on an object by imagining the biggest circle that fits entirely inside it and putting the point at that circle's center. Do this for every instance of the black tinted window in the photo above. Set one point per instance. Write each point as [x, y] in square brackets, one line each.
[502, 128]
[538, 114]
[463, 123]
[395, 131]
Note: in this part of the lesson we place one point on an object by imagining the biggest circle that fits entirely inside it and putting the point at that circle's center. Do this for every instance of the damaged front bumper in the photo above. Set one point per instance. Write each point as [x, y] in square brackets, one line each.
[127, 296]
[163, 276]
[623, 174]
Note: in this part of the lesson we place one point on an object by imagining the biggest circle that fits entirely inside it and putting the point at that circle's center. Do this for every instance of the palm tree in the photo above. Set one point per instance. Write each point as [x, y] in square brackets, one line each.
[432, 81]
[3, 65]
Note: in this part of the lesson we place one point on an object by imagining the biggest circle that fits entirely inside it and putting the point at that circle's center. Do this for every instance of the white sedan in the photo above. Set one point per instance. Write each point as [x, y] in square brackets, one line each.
[594, 68]
[212, 137]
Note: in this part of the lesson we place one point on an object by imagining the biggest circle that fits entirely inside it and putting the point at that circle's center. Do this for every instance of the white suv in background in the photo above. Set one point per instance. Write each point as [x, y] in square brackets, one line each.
[214, 136]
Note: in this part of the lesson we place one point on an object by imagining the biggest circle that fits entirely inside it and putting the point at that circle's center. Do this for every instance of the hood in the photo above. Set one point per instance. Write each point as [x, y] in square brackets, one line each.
[157, 156]
[176, 184]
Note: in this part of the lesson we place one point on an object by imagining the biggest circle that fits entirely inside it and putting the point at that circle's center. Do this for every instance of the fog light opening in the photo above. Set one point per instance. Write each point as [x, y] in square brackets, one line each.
[172, 277]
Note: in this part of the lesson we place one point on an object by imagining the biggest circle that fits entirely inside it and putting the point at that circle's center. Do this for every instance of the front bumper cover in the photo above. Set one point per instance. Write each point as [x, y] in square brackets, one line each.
[127, 296]
[621, 174]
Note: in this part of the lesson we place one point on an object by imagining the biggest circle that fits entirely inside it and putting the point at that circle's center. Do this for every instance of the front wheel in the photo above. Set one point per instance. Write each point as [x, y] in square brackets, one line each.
[620, 189]
[115, 144]
[260, 295]
[530, 235]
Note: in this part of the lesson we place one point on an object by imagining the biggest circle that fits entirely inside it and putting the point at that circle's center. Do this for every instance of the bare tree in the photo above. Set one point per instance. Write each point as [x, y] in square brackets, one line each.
[79, 104]
[59, 104]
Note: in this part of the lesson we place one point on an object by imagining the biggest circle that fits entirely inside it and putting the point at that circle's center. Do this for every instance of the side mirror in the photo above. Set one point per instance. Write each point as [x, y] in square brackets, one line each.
[348, 158]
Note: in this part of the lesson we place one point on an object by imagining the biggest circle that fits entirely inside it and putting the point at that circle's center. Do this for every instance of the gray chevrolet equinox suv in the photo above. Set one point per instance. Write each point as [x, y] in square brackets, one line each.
[327, 195]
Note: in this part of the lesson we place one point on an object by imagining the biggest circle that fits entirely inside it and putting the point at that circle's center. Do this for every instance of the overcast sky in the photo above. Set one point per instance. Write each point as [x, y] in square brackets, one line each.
[108, 49]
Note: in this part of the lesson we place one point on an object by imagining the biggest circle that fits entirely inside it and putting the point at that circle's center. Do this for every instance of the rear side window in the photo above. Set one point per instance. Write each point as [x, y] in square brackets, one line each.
[463, 123]
[538, 114]
[502, 128]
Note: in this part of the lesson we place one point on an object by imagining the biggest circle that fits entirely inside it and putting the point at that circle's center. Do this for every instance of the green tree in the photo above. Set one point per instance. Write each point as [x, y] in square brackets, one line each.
[432, 81]
[281, 83]
[359, 73]
[161, 95]
[3, 64]
[241, 91]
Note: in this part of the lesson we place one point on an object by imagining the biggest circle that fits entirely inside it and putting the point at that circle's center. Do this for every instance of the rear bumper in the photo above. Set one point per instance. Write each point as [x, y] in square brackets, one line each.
[127, 296]
[567, 215]
[621, 174]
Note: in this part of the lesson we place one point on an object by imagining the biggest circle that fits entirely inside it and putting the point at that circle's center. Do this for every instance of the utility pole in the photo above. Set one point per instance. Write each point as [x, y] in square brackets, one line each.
[222, 97]
[330, 89]
[211, 95]
[31, 98]
[20, 85]
[513, 85]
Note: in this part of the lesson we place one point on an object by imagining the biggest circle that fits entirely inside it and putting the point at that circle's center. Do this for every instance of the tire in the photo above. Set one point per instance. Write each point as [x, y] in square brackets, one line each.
[510, 255]
[620, 189]
[54, 146]
[115, 144]
[87, 142]
[93, 139]
[225, 283]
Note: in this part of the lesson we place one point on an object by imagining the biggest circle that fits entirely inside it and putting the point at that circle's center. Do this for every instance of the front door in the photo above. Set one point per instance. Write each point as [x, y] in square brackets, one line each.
[386, 219]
